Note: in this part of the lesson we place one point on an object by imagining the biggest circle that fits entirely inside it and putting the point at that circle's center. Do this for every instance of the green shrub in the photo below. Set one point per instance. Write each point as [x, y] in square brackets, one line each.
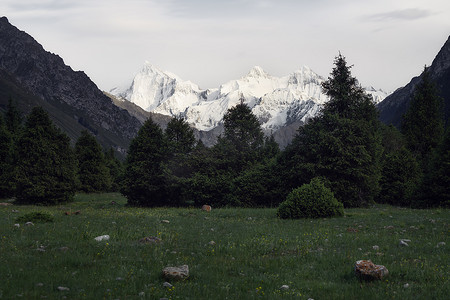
[35, 217]
[312, 200]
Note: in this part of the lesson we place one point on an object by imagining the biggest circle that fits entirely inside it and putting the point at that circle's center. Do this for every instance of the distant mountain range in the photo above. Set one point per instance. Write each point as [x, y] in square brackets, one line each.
[279, 102]
[32, 76]
[395, 105]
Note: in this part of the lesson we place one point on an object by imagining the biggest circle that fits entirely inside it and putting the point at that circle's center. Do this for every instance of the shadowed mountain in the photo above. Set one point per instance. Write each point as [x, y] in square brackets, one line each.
[395, 105]
[32, 76]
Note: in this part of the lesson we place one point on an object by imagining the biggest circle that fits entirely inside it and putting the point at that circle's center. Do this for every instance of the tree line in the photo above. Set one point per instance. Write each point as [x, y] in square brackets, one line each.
[345, 148]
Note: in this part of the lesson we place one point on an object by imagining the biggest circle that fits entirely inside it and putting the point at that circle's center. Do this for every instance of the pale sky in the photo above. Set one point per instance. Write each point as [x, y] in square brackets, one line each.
[211, 42]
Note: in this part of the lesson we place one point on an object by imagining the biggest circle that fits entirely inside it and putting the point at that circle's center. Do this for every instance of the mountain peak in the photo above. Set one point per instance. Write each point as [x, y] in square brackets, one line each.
[257, 72]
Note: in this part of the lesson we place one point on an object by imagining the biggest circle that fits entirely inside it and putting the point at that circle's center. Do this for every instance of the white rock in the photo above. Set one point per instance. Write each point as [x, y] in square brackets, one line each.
[376, 247]
[17, 225]
[165, 221]
[102, 238]
[63, 288]
[177, 273]
[440, 244]
[212, 243]
[167, 285]
[284, 287]
[406, 285]
[29, 224]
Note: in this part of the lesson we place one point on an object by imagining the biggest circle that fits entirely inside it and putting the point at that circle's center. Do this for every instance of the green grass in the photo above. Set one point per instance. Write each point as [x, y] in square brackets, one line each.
[254, 255]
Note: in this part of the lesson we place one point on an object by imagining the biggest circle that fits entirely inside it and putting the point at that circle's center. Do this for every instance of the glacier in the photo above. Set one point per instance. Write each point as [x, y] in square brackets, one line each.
[276, 101]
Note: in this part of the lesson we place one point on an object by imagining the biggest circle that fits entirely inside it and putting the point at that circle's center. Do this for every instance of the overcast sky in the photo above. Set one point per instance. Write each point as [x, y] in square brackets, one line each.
[211, 42]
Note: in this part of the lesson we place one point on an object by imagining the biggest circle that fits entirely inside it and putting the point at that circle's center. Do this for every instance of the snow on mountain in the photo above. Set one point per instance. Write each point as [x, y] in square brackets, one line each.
[276, 101]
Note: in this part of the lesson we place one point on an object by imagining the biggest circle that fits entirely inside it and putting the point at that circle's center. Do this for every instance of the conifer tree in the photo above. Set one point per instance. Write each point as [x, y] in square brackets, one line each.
[13, 118]
[180, 136]
[46, 169]
[6, 165]
[93, 173]
[342, 144]
[115, 168]
[423, 124]
[143, 183]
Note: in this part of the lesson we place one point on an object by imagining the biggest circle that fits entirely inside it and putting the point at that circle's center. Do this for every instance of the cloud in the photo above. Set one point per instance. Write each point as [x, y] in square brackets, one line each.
[409, 14]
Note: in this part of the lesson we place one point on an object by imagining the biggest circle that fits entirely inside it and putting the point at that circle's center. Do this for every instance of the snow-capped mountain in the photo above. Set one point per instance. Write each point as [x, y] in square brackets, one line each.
[276, 101]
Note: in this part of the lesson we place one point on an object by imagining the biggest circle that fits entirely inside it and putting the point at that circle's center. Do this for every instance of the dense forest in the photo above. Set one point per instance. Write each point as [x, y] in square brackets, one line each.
[345, 151]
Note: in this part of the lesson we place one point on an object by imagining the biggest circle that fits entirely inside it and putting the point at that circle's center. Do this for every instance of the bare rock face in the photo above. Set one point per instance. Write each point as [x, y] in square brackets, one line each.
[70, 97]
[176, 273]
[367, 270]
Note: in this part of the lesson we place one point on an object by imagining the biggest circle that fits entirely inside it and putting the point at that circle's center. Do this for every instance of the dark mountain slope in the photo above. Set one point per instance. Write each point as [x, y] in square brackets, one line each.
[33, 76]
[394, 106]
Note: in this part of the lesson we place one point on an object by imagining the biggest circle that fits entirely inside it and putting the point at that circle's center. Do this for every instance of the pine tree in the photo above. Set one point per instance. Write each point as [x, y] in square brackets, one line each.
[143, 183]
[423, 124]
[180, 136]
[342, 144]
[243, 140]
[13, 118]
[46, 170]
[115, 168]
[93, 173]
[6, 165]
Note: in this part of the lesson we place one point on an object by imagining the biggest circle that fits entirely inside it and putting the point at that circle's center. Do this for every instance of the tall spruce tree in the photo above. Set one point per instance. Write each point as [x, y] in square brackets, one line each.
[143, 183]
[342, 144]
[6, 164]
[423, 124]
[177, 169]
[115, 168]
[243, 140]
[46, 169]
[93, 174]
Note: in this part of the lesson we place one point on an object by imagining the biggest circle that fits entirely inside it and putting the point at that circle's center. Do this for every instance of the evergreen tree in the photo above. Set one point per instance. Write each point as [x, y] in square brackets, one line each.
[423, 124]
[400, 173]
[13, 118]
[180, 136]
[115, 168]
[6, 165]
[180, 142]
[93, 173]
[342, 144]
[46, 169]
[435, 188]
[143, 183]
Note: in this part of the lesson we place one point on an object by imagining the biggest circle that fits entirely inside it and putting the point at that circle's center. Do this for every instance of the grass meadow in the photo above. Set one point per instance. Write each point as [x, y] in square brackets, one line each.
[253, 256]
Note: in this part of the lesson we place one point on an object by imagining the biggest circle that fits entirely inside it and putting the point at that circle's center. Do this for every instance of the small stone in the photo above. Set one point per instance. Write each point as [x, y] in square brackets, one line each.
[212, 243]
[119, 278]
[29, 224]
[389, 227]
[63, 288]
[165, 221]
[376, 247]
[102, 238]
[440, 244]
[40, 284]
[206, 208]
[14, 211]
[17, 225]
[284, 287]
[406, 285]
[367, 270]
[64, 248]
[150, 240]
[404, 242]
[173, 252]
[176, 273]
[212, 229]
[5, 204]
[249, 218]
[141, 294]
[167, 285]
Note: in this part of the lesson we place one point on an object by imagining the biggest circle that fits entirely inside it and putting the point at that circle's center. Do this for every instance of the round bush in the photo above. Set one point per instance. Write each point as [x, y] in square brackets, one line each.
[312, 200]
[35, 217]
